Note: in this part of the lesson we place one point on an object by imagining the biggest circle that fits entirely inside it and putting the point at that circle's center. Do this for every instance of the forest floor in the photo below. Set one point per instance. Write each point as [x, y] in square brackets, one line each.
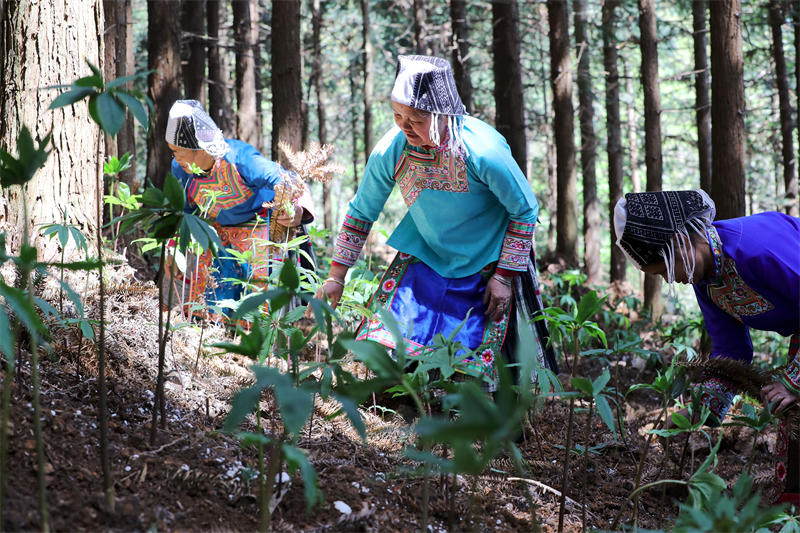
[197, 478]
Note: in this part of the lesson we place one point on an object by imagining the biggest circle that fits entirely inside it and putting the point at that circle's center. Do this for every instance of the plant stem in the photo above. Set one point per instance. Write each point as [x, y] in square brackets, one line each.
[752, 452]
[568, 445]
[161, 334]
[586, 464]
[265, 522]
[8, 379]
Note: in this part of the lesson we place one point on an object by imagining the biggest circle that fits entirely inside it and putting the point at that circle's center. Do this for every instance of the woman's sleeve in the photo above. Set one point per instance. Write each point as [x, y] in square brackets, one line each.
[365, 208]
[730, 339]
[500, 172]
[257, 171]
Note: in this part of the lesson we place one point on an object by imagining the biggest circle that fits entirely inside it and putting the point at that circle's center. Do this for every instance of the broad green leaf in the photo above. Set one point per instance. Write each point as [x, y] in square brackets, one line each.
[376, 358]
[681, 421]
[135, 107]
[70, 97]
[288, 275]
[296, 458]
[606, 414]
[17, 300]
[94, 81]
[6, 338]
[351, 410]
[110, 114]
[588, 306]
[600, 383]
[583, 385]
[173, 191]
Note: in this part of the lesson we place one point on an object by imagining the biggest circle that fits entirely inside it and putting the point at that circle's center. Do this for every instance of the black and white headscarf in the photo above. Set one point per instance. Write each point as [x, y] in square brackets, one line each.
[647, 223]
[189, 126]
[427, 83]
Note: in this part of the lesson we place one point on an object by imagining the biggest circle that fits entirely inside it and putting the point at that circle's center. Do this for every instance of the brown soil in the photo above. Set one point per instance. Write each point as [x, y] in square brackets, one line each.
[196, 478]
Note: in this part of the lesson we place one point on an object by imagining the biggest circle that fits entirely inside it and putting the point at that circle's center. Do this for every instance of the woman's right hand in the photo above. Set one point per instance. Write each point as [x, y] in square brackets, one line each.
[332, 290]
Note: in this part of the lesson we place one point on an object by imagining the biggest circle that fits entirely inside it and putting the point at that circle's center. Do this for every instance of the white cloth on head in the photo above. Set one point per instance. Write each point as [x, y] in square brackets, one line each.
[189, 126]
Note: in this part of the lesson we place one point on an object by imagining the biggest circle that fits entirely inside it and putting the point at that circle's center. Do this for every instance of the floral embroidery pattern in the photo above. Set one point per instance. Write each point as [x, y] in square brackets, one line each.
[716, 249]
[417, 171]
[791, 376]
[517, 245]
[350, 240]
[717, 394]
[731, 294]
[223, 183]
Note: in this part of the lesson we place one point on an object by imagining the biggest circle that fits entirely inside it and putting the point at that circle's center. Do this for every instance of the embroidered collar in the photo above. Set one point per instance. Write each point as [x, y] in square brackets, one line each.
[716, 249]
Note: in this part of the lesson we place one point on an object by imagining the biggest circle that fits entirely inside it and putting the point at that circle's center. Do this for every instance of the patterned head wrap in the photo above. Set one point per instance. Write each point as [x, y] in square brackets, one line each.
[647, 223]
[426, 83]
[189, 126]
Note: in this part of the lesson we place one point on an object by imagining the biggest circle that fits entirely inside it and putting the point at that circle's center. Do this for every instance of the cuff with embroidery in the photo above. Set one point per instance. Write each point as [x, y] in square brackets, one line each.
[717, 394]
[351, 240]
[517, 244]
[791, 376]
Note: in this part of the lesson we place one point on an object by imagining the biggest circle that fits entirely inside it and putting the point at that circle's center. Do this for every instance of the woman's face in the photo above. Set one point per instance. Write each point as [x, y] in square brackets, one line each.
[416, 124]
[187, 157]
[703, 262]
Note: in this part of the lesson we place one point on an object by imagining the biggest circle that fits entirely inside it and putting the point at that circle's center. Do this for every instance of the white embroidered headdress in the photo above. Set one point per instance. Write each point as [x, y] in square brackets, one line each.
[189, 126]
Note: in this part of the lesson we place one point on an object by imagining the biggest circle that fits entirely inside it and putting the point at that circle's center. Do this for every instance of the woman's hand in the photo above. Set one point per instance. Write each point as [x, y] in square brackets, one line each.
[782, 397]
[290, 221]
[497, 298]
[332, 288]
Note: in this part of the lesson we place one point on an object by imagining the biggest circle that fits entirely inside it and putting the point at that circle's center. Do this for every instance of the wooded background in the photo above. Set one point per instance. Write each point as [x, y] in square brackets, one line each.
[595, 98]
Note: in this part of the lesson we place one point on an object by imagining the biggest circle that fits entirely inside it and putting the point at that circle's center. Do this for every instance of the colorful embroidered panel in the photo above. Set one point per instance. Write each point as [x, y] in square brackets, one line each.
[717, 394]
[791, 376]
[731, 294]
[351, 240]
[417, 171]
[223, 183]
[372, 328]
[516, 246]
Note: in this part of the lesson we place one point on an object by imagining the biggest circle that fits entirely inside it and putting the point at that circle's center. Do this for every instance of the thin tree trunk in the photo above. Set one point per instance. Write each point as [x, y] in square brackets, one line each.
[727, 109]
[591, 208]
[508, 92]
[219, 98]
[126, 65]
[702, 104]
[460, 47]
[287, 90]
[550, 151]
[164, 60]
[193, 49]
[354, 122]
[632, 128]
[796, 20]
[561, 81]
[317, 13]
[652, 129]
[614, 127]
[789, 160]
[368, 83]
[420, 37]
[244, 30]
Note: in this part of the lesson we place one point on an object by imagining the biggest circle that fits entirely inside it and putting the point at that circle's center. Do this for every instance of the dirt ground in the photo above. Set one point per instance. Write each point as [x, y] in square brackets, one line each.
[197, 478]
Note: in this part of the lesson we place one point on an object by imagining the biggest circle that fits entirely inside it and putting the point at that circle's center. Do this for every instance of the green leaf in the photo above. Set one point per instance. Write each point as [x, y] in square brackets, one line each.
[17, 300]
[110, 113]
[296, 458]
[94, 81]
[376, 358]
[583, 385]
[606, 414]
[351, 410]
[70, 97]
[136, 108]
[588, 306]
[288, 276]
[600, 383]
[6, 339]
[681, 421]
[173, 191]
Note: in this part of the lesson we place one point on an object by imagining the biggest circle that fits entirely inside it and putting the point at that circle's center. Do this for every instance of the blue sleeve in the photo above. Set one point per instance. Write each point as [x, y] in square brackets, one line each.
[496, 168]
[377, 181]
[183, 177]
[257, 171]
[729, 337]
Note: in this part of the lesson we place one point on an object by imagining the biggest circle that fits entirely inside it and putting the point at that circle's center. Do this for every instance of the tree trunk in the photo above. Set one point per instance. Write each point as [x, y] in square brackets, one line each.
[727, 109]
[702, 104]
[782, 80]
[561, 81]
[632, 128]
[164, 59]
[508, 94]
[420, 37]
[652, 129]
[317, 13]
[193, 49]
[368, 83]
[244, 31]
[460, 46]
[550, 152]
[591, 208]
[219, 98]
[354, 122]
[287, 90]
[68, 179]
[617, 264]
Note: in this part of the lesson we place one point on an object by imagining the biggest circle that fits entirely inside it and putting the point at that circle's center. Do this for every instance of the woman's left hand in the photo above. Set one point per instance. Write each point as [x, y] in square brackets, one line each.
[497, 298]
[776, 392]
[292, 220]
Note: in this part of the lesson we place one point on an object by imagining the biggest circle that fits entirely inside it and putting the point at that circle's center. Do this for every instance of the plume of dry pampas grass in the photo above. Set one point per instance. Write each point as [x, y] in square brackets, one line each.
[303, 166]
[745, 377]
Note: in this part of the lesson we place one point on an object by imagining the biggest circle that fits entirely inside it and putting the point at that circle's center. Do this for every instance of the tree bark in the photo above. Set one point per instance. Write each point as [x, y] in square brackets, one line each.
[788, 156]
[219, 97]
[460, 47]
[617, 263]
[68, 179]
[631, 127]
[164, 59]
[287, 90]
[508, 94]
[591, 207]
[702, 104]
[244, 31]
[652, 129]
[193, 49]
[420, 37]
[727, 109]
[317, 14]
[368, 83]
[561, 81]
